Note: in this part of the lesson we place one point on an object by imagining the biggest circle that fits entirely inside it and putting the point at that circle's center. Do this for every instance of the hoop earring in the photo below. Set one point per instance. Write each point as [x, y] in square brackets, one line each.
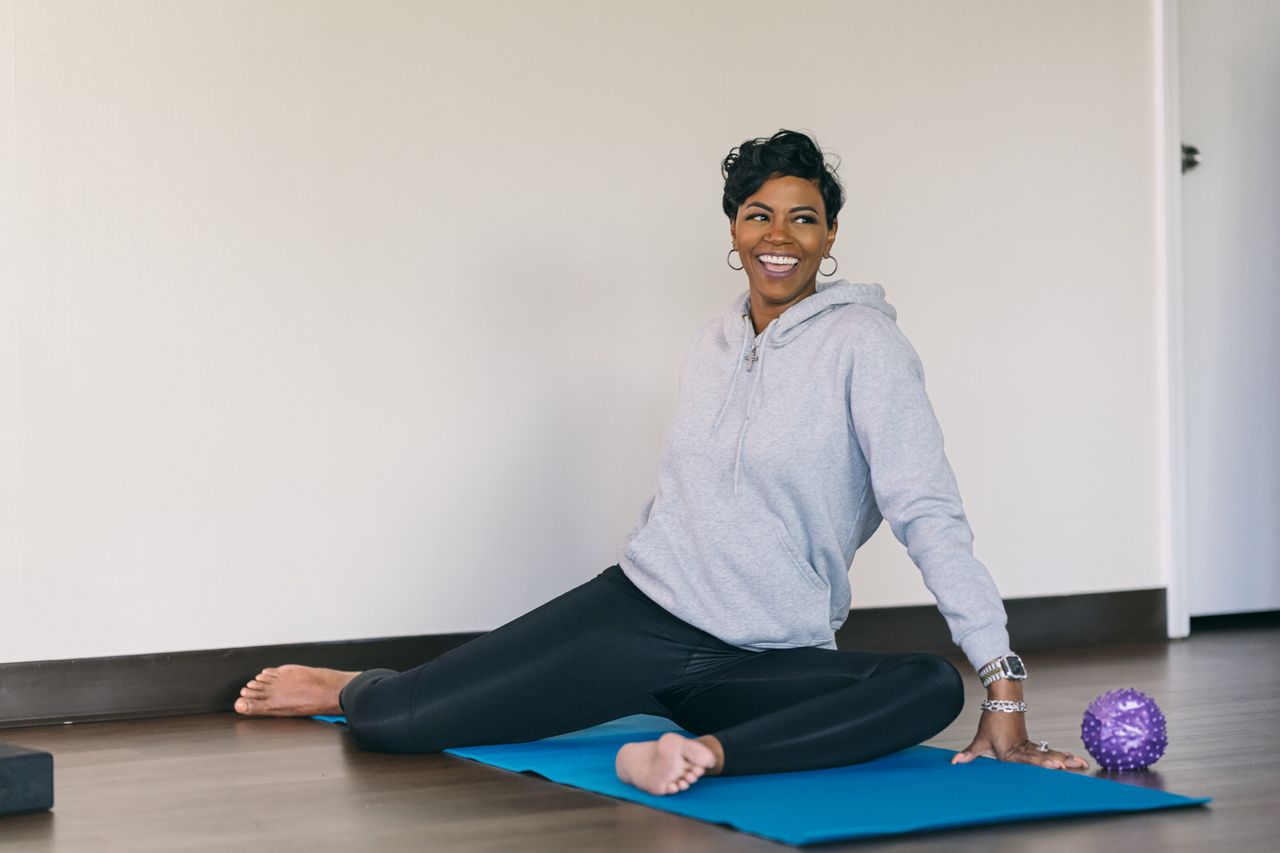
[730, 263]
[833, 272]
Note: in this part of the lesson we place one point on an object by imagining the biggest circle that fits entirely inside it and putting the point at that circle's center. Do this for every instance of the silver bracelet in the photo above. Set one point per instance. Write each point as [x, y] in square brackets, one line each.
[1006, 705]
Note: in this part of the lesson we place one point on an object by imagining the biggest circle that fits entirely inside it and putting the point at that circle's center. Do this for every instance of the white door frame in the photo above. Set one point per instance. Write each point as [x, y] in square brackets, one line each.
[1171, 361]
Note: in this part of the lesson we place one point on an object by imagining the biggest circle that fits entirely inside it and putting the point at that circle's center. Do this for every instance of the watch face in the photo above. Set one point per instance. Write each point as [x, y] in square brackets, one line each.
[1016, 669]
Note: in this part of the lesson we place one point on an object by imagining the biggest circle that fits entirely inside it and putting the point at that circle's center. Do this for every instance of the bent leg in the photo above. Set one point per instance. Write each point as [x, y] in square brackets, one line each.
[803, 709]
[595, 653]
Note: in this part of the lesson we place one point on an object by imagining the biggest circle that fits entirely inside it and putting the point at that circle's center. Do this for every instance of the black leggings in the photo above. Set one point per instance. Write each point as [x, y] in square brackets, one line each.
[605, 650]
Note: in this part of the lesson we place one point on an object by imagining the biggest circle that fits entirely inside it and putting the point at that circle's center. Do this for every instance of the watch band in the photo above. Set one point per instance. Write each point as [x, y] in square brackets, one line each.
[1010, 666]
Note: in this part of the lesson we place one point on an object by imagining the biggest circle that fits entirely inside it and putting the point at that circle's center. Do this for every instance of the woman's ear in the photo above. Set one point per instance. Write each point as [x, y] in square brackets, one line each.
[733, 231]
[831, 236]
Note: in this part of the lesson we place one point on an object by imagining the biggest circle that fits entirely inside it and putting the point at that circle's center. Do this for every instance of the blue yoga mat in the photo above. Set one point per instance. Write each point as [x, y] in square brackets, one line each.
[913, 790]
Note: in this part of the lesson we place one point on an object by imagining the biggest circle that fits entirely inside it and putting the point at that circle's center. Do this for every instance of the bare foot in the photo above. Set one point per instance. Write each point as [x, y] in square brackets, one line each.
[293, 691]
[667, 765]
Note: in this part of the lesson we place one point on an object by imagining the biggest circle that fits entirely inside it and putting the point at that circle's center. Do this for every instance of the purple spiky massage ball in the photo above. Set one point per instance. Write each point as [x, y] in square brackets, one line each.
[1124, 730]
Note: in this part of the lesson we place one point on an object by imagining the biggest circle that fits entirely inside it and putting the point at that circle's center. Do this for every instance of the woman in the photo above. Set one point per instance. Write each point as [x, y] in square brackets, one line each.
[802, 423]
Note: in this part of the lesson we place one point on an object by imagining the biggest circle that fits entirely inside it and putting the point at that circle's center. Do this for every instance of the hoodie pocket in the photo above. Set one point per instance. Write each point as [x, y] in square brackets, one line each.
[800, 564]
[741, 579]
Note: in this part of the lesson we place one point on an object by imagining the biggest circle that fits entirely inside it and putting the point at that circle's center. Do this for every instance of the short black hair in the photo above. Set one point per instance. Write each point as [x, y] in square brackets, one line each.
[787, 153]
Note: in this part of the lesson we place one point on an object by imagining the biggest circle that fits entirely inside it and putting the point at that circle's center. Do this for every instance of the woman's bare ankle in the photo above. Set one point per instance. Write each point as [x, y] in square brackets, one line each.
[713, 743]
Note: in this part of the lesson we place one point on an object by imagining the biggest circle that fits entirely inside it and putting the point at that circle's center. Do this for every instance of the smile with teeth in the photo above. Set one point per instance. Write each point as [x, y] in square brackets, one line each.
[778, 263]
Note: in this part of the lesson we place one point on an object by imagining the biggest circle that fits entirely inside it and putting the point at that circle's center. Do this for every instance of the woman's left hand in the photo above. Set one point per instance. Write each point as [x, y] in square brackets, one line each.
[1004, 736]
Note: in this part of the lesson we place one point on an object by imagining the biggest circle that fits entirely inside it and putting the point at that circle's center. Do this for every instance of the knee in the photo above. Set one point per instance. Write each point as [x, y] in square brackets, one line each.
[944, 684]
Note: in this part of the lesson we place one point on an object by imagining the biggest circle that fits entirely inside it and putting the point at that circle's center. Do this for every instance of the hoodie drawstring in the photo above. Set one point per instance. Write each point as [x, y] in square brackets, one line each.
[733, 381]
[751, 398]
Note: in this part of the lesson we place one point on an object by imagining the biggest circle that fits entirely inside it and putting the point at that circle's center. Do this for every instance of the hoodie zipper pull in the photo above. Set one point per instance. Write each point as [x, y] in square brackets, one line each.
[751, 358]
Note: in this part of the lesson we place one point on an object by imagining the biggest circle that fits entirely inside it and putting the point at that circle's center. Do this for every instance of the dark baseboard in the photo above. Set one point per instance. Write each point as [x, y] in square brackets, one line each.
[162, 685]
[1035, 624]
[1231, 621]
[156, 685]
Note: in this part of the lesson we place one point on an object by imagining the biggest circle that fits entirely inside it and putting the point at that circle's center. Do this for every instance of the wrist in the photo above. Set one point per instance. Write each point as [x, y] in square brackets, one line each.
[1005, 689]
[998, 708]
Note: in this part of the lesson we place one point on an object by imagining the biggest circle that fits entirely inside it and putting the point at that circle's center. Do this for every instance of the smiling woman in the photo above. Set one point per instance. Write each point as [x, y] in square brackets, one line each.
[782, 239]
[802, 424]
[782, 199]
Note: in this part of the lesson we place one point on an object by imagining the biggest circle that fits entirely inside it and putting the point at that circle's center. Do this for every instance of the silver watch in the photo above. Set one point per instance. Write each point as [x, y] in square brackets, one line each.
[1009, 666]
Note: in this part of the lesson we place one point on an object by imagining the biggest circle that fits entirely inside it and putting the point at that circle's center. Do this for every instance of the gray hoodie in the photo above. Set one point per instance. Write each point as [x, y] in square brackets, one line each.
[786, 451]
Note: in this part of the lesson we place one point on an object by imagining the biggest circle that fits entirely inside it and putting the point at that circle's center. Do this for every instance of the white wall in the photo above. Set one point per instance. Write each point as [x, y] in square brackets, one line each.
[11, 593]
[344, 320]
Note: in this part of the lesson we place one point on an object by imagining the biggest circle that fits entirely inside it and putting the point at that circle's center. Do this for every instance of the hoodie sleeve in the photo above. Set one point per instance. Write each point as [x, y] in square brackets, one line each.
[915, 488]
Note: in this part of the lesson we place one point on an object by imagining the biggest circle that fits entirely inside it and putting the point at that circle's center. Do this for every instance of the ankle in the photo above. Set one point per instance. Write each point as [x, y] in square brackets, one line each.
[717, 749]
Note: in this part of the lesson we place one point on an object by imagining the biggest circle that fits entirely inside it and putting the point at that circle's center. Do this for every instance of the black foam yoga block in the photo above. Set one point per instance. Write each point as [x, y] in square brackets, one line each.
[26, 780]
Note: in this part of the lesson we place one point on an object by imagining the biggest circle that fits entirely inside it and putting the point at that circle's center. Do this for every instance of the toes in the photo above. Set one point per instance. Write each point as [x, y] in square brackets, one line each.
[244, 706]
[690, 775]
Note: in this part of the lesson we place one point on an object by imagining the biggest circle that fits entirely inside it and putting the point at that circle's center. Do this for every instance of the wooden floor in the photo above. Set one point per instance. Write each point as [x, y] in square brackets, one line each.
[217, 782]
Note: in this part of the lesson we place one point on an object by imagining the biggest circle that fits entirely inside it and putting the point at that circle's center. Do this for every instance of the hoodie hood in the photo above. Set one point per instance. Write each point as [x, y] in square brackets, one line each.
[792, 322]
